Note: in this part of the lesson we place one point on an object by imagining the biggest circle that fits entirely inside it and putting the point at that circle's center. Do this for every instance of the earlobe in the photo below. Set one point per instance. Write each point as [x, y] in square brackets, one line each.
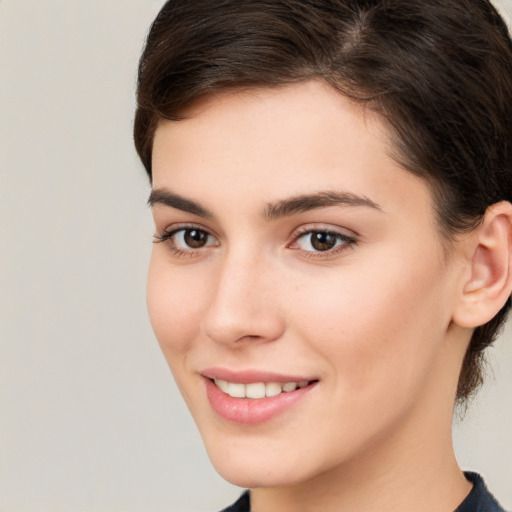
[489, 284]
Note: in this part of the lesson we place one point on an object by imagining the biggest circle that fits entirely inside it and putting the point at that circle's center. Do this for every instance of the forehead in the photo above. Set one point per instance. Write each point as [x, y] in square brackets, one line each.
[272, 119]
[265, 144]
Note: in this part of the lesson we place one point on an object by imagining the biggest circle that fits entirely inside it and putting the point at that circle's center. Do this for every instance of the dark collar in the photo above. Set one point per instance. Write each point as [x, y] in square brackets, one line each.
[478, 500]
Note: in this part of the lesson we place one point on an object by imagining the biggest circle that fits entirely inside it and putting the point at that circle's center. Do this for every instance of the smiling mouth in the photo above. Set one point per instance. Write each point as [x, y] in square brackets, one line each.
[256, 390]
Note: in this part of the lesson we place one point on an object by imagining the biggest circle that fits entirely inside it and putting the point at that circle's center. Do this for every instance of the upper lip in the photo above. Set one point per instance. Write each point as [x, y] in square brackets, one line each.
[250, 375]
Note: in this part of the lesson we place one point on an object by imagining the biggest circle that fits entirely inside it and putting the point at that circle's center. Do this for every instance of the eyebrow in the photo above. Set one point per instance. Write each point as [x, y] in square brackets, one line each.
[304, 203]
[168, 198]
[283, 208]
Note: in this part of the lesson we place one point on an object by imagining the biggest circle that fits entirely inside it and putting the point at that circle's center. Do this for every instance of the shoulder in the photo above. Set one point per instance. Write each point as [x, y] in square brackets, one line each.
[479, 499]
[243, 504]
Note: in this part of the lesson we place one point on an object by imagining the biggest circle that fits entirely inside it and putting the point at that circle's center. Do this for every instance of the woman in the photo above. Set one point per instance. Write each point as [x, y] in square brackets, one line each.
[331, 190]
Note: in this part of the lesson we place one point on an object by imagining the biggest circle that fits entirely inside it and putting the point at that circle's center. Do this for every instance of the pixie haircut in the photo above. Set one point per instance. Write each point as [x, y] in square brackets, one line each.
[439, 72]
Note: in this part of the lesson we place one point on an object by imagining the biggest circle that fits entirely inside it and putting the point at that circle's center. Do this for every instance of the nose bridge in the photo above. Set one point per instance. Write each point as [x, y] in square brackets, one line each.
[243, 304]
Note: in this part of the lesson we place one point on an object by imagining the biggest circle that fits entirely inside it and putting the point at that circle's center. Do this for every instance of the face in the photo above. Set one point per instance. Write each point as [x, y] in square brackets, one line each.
[298, 286]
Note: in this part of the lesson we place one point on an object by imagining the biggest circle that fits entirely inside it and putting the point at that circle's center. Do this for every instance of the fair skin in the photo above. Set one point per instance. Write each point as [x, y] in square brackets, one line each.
[350, 290]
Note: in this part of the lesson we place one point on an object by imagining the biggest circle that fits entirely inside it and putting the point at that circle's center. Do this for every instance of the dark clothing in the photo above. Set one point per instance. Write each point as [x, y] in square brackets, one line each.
[242, 505]
[478, 500]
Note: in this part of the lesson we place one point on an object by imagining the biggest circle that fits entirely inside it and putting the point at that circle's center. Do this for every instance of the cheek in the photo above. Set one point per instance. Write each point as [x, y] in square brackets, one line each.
[174, 302]
[378, 328]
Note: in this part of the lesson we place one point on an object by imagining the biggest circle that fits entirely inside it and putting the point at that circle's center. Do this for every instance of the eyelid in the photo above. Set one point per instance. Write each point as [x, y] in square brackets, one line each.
[166, 237]
[351, 239]
[178, 226]
[327, 228]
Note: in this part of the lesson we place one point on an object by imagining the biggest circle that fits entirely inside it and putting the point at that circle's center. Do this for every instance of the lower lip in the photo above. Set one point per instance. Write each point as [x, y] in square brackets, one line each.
[252, 411]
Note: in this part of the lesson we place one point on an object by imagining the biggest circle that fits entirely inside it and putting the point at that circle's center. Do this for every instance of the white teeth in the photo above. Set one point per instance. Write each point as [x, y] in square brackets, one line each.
[258, 389]
[273, 389]
[290, 386]
[236, 390]
[222, 384]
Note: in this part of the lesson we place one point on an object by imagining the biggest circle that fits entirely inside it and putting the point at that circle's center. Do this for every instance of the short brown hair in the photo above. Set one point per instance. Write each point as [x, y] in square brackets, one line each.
[438, 71]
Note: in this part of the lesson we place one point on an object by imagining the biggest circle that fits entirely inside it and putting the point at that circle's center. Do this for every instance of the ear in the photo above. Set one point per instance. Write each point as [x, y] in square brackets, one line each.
[488, 284]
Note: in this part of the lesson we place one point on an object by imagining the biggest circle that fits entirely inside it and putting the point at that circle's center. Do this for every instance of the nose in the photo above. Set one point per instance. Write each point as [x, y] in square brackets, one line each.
[245, 303]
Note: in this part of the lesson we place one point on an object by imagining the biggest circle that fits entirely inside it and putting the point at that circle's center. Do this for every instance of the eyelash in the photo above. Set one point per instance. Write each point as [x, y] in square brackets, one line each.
[168, 235]
[344, 241]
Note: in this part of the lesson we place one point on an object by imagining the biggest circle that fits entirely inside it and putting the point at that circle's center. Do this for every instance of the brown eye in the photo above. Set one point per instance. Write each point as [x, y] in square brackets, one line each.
[187, 239]
[195, 238]
[323, 241]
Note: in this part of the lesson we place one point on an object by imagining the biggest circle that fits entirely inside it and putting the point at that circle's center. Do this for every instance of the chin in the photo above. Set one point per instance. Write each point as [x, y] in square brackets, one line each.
[252, 475]
[259, 465]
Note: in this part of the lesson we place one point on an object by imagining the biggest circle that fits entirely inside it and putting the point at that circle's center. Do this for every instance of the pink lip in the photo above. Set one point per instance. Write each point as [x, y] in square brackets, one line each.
[249, 376]
[249, 411]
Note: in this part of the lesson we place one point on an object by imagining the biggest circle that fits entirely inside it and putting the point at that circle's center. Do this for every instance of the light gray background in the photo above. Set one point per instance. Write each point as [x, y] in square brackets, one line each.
[90, 419]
